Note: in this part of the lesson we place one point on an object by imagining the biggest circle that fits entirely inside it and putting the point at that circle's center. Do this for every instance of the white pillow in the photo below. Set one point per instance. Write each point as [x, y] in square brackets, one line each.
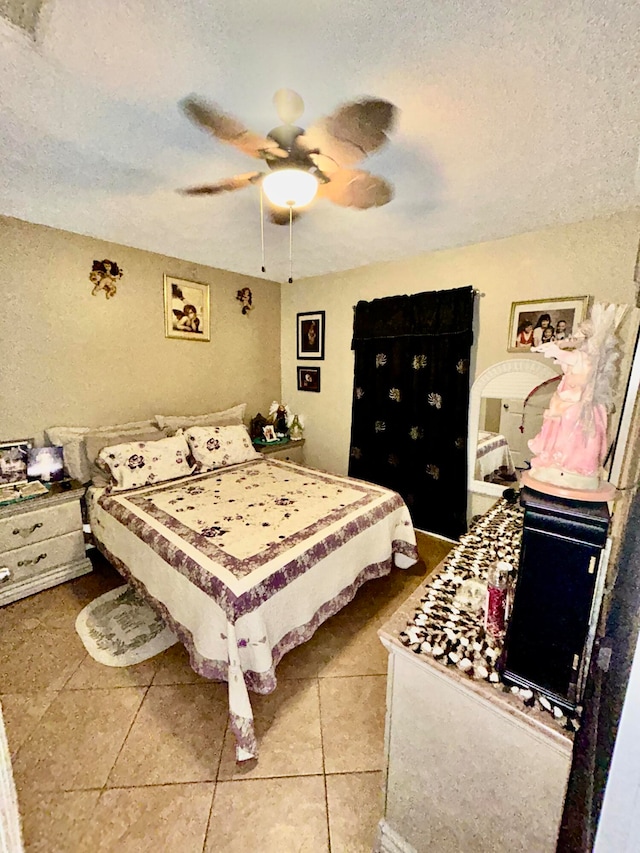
[218, 446]
[71, 439]
[226, 417]
[94, 442]
[143, 463]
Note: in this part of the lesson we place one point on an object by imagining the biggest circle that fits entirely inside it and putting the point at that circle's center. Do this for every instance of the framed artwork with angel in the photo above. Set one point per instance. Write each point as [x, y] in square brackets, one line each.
[186, 309]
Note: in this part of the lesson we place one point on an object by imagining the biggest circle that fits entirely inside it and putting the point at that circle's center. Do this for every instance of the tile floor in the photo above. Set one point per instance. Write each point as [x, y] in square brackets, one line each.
[141, 759]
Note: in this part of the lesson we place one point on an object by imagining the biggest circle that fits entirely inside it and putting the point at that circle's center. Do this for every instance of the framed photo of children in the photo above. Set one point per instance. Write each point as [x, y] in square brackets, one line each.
[186, 310]
[539, 321]
[308, 379]
[14, 456]
[311, 335]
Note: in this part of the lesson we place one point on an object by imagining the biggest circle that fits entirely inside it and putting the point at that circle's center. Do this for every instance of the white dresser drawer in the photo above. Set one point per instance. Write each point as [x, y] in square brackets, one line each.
[26, 527]
[39, 557]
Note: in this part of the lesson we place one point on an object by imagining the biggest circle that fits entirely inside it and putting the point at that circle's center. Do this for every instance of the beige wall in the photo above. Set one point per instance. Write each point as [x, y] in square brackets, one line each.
[593, 258]
[67, 357]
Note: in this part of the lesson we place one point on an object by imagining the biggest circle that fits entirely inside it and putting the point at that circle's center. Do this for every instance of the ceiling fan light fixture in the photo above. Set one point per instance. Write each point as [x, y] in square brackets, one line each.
[290, 188]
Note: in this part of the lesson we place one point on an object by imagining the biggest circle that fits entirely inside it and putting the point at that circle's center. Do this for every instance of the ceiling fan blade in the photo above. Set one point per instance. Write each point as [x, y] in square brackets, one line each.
[289, 105]
[351, 133]
[228, 129]
[280, 215]
[224, 186]
[356, 188]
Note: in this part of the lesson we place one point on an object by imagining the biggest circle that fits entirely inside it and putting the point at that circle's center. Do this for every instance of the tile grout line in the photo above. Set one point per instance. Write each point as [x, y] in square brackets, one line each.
[124, 739]
[103, 789]
[324, 768]
[215, 785]
[14, 755]
[213, 781]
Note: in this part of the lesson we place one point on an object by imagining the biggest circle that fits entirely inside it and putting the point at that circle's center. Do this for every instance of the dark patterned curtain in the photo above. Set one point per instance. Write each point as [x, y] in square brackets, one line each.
[411, 401]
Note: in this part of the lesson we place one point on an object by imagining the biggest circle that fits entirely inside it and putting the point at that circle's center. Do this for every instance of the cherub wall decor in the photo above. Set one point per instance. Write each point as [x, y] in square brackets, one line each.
[104, 275]
[246, 298]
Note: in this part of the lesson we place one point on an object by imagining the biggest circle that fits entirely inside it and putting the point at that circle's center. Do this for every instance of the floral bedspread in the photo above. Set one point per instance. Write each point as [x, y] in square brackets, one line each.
[244, 563]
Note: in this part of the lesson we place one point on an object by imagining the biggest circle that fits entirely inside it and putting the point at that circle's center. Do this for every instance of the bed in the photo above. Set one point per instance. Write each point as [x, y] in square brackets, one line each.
[493, 457]
[245, 562]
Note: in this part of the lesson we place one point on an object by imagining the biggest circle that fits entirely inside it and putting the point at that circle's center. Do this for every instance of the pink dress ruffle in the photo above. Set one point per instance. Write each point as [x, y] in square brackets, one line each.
[566, 441]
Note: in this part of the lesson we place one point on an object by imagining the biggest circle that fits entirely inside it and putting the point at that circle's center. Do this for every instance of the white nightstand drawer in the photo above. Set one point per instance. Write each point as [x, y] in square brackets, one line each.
[290, 451]
[39, 557]
[26, 527]
[293, 454]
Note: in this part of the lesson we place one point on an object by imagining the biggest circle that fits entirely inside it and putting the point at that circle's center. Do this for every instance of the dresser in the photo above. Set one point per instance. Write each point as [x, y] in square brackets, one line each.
[41, 543]
[466, 768]
[290, 451]
[471, 763]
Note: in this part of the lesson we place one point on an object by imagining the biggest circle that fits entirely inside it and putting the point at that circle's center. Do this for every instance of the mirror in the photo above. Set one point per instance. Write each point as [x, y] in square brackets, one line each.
[503, 415]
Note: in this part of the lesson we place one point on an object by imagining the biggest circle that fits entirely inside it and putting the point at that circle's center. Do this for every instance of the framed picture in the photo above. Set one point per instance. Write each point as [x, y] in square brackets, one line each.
[308, 378]
[311, 335]
[269, 433]
[14, 456]
[46, 464]
[538, 321]
[186, 309]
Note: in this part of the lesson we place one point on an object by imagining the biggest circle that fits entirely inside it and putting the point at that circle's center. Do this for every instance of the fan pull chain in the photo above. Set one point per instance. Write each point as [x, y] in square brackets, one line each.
[290, 244]
[262, 228]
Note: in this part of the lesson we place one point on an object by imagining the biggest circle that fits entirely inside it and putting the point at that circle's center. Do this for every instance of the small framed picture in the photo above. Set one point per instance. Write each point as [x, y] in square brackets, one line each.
[310, 335]
[186, 310]
[541, 321]
[269, 433]
[14, 457]
[308, 379]
[46, 464]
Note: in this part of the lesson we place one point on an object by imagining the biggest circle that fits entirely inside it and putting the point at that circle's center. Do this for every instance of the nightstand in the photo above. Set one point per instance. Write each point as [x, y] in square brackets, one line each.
[290, 451]
[41, 543]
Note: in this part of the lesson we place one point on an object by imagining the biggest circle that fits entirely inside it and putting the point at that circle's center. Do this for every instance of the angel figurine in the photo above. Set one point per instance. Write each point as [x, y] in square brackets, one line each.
[572, 444]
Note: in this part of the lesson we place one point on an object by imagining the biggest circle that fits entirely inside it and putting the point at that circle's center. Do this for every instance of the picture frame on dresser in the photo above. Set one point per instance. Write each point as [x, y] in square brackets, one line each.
[46, 464]
[14, 456]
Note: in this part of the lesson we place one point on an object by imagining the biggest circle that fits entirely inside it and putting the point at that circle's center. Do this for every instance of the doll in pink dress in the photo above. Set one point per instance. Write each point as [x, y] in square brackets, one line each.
[572, 444]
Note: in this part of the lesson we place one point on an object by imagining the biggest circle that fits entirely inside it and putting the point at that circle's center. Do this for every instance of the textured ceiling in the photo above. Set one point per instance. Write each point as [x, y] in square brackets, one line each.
[514, 115]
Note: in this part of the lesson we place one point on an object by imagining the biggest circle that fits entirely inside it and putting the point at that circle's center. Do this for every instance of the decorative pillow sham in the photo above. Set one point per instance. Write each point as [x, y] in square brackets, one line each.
[219, 446]
[94, 442]
[226, 417]
[72, 440]
[143, 463]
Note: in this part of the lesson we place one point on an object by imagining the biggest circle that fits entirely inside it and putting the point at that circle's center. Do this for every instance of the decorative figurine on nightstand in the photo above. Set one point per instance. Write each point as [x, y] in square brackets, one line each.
[257, 424]
[296, 427]
[280, 414]
[572, 444]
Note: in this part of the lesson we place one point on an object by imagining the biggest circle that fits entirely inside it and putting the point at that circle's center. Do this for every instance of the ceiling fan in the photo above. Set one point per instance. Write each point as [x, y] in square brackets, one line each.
[322, 156]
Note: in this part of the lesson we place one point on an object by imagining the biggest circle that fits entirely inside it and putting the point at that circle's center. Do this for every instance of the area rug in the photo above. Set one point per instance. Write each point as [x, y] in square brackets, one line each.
[120, 629]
